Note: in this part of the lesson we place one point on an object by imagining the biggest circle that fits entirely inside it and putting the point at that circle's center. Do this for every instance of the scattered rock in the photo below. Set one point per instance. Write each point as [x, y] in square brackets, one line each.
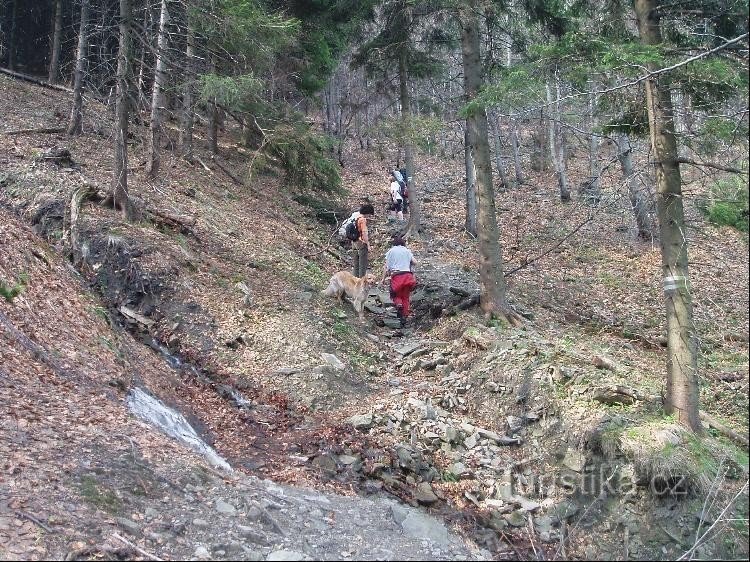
[420, 526]
[128, 525]
[574, 460]
[564, 510]
[424, 494]
[286, 555]
[601, 362]
[514, 423]
[516, 518]
[225, 508]
[333, 361]
[362, 421]
[202, 553]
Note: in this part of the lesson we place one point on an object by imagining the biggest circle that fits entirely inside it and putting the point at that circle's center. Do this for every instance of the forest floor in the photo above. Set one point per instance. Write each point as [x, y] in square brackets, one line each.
[507, 435]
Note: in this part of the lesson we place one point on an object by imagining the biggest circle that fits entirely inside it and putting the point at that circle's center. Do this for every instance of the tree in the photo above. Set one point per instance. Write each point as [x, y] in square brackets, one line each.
[157, 94]
[54, 65]
[11, 46]
[470, 223]
[188, 94]
[120, 198]
[76, 112]
[493, 288]
[682, 363]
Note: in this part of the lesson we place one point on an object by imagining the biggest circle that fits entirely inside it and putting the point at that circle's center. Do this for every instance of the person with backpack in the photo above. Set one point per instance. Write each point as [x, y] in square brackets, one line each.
[355, 229]
[397, 200]
[405, 188]
[399, 264]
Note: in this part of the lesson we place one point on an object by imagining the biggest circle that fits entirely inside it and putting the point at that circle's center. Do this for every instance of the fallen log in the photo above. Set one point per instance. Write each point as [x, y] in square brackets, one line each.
[27, 78]
[738, 438]
[40, 131]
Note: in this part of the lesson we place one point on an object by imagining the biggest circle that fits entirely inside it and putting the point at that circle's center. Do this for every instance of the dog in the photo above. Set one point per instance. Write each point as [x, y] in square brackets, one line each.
[356, 288]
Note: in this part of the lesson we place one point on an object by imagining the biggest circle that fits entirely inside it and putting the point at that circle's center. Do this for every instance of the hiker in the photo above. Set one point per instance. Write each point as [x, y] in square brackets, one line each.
[399, 264]
[357, 232]
[405, 188]
[397, 200]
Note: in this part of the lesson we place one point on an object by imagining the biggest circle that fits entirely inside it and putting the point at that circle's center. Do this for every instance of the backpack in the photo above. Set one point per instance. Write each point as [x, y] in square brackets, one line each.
[404, 185]
[349, 229]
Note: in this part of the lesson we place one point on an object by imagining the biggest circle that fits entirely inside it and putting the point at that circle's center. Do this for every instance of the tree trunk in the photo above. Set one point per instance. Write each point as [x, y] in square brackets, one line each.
[12, 35]
[492, 281]
[414, 225]
[212, 113]
[639, 196]
[682, 362]
[498, 153]
[471, 189]
[157, 95]
[120, 197]
[145, 49]
[556, 143]
[188, 115]
[54, 65]
[516, 153]
[76, 113]
[594, 191]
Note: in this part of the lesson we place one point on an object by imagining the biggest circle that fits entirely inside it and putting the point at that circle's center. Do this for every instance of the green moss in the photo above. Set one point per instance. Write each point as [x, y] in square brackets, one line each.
[99, 495]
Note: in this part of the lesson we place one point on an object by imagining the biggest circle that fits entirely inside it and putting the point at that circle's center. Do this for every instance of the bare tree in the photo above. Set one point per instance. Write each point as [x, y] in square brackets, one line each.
[188, 95]
[76, 113]
[157, 95]
[639, 195]
[556, 142]
[682, 362]
[54, 65]
[120, 196]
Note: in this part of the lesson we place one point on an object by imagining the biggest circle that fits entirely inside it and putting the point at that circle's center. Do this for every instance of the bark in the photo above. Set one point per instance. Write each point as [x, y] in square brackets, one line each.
[471, 189]
[76, 113]
[516, 145]
[54, 65]
[492, 282]
[682, 351]
[188, 96]
[12, 35]
[640, 201]
[120, 197]
[593, 191]
[415, 218]
[157, 95]
[498, 153]
[556, 143]
[213, 114]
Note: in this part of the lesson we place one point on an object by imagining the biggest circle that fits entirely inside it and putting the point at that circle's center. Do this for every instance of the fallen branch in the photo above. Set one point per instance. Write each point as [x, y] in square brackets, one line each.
[33, 80]
[35, 521]
[40, 131]
[183, 224]
[137, 548]
[724, 430]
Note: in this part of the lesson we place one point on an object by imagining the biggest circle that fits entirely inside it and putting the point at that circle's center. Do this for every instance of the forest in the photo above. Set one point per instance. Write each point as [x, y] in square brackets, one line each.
[577, 205]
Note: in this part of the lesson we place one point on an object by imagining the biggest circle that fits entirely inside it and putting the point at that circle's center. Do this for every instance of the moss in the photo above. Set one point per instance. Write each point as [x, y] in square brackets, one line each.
[99, 495]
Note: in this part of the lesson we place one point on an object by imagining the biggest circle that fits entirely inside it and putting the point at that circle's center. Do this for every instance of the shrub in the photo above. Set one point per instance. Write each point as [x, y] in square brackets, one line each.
[727, 204]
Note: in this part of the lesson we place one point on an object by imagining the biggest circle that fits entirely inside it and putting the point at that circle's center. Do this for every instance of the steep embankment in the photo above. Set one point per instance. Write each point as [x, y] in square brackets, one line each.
[508, 434]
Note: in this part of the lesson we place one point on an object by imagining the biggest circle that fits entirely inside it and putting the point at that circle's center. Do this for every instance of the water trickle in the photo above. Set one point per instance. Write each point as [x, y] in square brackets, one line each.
[172, 423]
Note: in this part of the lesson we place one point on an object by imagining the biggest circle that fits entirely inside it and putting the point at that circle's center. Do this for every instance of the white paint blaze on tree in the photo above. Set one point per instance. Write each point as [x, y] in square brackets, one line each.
[682, 362]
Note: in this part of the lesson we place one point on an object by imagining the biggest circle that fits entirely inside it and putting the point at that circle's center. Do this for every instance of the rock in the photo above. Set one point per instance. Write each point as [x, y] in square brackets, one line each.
[374, 309]
[325, 463]
[544, 523]
[408, 348]
[150, 513]
[514, 423]
[574, 460]
[225, 508]
[393, 323]
[333, 361]
[471, 441]
[346, 460]
[197, 522]
[284, 555]
[451, 435]
[516, 518]
[564, 510]
[420, 526]
[128, 525]
[202, 553]
[286, 371]
[601, 362]
[362, 421]
[497, 438]
[424, 494]
[526, 504]
[459, 469]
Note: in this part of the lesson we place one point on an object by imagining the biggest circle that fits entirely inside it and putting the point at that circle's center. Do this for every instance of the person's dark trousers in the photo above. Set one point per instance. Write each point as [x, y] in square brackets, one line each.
[359, 258]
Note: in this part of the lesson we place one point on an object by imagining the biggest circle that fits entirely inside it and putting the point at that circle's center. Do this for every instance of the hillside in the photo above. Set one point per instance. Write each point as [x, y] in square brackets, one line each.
[215, 310]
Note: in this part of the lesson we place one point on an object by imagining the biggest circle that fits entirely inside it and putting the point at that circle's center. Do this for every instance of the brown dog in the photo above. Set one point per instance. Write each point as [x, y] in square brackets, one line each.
[356, 288]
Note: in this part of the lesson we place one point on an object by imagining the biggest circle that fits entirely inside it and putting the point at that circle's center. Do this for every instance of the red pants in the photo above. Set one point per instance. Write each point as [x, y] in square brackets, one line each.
[402, 284]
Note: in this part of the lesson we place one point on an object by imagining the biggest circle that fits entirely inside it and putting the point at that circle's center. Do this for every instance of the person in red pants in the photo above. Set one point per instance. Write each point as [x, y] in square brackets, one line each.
[399, 264]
